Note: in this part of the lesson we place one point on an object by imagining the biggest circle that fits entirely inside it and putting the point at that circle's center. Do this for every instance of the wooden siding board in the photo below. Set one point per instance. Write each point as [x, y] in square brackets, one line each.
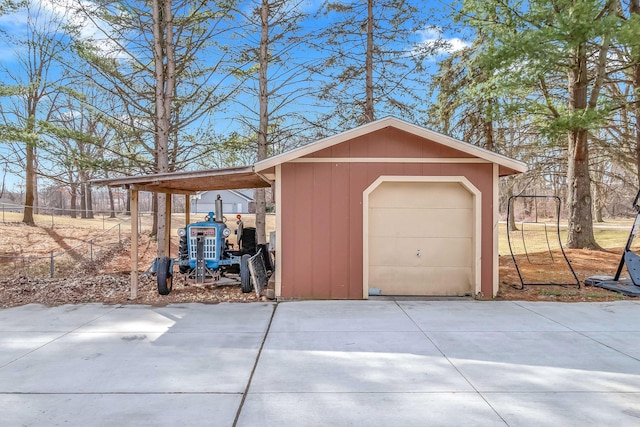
[411, 169]
[402, 144]
[340, 241]
[391, 143]
[359, 179]
[289, 243]
[299, 279]
[340, 150]
[321, 232]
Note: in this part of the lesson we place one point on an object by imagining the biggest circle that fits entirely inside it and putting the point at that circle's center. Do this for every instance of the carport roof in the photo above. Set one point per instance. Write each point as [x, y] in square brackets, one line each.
[190, 182]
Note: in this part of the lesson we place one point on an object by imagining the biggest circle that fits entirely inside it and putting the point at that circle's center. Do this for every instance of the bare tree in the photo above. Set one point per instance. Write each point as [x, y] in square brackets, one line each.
[174, 47]
[29, 85]
[276, 81]
[372, 61]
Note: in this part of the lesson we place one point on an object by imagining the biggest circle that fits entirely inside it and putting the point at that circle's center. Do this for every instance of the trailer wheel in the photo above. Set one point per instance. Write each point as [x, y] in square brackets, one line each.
[245, 275]
[165, 276]
[183, 254]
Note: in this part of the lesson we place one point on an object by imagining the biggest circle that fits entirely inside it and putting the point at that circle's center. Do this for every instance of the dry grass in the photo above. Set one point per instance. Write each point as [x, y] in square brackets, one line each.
[105, 276]
[608, 235]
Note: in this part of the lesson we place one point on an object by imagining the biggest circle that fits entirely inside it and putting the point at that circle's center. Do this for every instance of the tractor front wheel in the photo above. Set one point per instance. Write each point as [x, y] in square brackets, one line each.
[245, 275]
[165, 275]
[183, 254]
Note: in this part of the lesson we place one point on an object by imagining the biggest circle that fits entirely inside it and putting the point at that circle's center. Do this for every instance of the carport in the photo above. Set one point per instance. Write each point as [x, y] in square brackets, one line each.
[187, 183]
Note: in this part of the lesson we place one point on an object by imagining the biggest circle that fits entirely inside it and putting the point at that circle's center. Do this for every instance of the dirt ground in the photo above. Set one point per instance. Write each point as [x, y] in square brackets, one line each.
[585, 263]
[106, 280]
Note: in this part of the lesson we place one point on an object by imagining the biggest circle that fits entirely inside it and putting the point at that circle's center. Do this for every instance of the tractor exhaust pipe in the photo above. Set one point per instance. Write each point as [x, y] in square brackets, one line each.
[218, 209]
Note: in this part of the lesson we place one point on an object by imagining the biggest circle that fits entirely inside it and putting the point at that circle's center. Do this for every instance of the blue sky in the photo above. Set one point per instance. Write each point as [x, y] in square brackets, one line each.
[15, 24]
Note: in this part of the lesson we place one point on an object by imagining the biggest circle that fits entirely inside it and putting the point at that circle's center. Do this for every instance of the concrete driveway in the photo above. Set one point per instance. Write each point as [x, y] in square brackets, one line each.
[319, 363]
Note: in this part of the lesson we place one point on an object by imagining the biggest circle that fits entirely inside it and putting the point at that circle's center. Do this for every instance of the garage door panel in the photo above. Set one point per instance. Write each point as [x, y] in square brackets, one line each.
[441, 281]
[435, 219]
[419, 195]
[403, 222]
[434, 252]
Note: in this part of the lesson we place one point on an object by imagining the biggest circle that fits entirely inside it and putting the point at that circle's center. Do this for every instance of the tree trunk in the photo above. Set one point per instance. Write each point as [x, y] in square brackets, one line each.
[263, 125]
[27, 216]
[127, 203]
[154, 215]
[580, 229]
[164, 63]
[634, 9]
[636, 109]
[511, 219]
[36, 202]
[112, 205]
[488, 126]
[580, 226]
[74, 200]
[636, 87]
[83, 199]
[4, 180]
[369, 115]
[89, 196]
[598, 193]
[598, 203]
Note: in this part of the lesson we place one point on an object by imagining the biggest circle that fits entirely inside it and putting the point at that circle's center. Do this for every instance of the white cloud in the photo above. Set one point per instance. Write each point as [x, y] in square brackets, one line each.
[66, 12]
[433, 40]
[13, 20]
[93, 29]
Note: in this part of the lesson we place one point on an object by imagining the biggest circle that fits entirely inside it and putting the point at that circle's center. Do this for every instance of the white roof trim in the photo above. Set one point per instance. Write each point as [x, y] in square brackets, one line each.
[236, 192]
[241, 195]
[398, 124]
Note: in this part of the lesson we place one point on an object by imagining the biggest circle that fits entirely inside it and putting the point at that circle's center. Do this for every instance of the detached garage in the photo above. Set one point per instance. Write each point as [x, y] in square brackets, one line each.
[388, 208]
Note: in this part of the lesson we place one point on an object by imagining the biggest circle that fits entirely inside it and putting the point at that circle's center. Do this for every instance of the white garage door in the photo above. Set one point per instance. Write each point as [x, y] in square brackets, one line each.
[421, 239]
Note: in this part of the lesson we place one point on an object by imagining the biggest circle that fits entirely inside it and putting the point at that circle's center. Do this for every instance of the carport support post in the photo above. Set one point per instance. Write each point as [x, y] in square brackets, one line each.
[187, 209]
[134, 244]
[167, 228]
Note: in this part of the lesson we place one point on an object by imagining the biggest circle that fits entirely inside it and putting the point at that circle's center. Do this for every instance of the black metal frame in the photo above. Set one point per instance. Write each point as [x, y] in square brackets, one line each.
[631, 286]
[628, 256]
[513, 257]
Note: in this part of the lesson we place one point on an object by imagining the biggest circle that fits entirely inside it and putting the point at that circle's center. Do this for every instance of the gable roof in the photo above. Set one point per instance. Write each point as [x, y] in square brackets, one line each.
[507, 165]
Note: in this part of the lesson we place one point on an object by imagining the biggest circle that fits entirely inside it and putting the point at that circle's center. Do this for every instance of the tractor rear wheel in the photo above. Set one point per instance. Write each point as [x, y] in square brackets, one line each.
[245, 275]
[165, 276]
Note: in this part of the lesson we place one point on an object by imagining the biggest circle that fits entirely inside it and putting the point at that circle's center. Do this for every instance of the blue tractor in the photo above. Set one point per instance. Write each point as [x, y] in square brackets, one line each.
[205, 255]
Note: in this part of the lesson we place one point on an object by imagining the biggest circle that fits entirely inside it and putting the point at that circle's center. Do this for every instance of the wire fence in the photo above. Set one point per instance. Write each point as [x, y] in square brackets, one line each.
[87, 257]
[55, 217]
[91, 254]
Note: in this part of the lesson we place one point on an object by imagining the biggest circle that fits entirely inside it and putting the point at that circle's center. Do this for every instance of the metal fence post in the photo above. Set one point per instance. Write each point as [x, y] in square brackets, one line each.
[52, 226]
[91, 246]
[51, 265]
[3, 212]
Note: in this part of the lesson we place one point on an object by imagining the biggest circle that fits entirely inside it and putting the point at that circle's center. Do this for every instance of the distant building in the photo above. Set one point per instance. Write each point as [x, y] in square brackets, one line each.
[233, 201]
